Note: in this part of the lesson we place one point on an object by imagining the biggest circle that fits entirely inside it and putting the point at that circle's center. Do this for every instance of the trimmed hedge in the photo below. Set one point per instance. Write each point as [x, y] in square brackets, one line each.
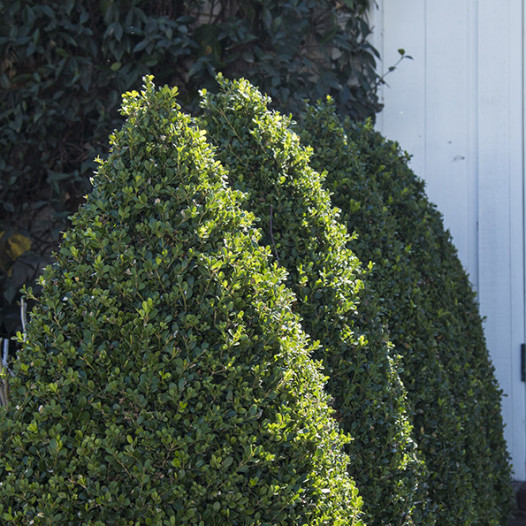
[164, 378]
[432, 313]
[266, 161]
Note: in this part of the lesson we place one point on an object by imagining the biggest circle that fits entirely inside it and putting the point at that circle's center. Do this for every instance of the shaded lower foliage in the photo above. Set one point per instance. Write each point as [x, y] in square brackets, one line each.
[432, 313]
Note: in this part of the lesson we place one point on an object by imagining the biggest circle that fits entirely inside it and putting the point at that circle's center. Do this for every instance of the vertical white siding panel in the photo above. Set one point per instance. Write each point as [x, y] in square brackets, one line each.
[430, 107]
[404, 96]
[500, 206]
[450, 126]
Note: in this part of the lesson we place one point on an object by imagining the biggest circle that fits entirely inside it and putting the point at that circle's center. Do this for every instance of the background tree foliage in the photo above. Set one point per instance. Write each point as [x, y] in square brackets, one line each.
[64, 64]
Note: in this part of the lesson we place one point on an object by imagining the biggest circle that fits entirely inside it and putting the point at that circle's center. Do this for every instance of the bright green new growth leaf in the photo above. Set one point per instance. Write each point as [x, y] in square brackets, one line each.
[432, 315]
[164, 378]
[265, 159]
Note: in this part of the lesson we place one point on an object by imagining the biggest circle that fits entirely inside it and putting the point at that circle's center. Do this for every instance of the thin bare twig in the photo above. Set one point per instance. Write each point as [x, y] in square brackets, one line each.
[4, 385]
[23, 316]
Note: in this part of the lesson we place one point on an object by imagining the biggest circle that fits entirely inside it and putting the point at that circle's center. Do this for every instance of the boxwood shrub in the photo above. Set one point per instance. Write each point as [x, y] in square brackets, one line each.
[432, 313]
[164, 378]
[266, 161]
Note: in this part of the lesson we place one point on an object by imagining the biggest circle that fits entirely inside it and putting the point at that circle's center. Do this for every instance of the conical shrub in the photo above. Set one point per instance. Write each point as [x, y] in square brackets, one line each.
[432, 314]
[164, 378]
[266, 161]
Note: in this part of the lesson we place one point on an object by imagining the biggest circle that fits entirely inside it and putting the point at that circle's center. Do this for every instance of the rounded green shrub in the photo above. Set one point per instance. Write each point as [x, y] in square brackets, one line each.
[432, 313]
[164, 378]
[265, 160]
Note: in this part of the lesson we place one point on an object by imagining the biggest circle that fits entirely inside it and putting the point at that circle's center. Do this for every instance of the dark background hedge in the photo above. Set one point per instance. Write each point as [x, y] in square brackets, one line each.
[65, 63]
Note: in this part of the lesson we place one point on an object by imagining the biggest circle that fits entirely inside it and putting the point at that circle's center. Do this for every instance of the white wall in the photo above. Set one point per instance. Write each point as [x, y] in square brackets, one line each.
[457, 107]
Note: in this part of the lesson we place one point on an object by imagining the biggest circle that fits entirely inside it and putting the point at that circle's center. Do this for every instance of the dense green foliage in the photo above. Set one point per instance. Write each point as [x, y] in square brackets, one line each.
[265, 159]
[432, 315]
[164, 378]
[64, 64]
